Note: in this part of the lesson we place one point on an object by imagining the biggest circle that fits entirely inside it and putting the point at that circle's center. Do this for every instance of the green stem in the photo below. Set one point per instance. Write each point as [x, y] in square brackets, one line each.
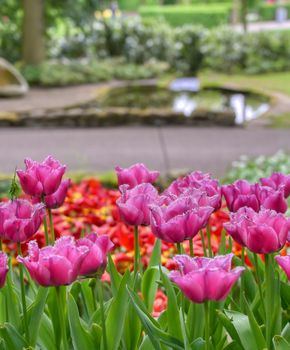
[242, 279]
[191, 250]
[23, 298]
[203, 243]
[179, 248]
[269, 277]
[136, 251]
[61, 312]
[101, 301]
[1, 248]
[92, 285]
[207, 323]
[45, 231]
[51, 225]
[259, 283]
[210, 253]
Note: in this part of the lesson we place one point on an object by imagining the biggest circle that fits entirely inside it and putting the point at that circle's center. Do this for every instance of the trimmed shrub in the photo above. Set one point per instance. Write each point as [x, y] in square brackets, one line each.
[206, 15]
[267, 12]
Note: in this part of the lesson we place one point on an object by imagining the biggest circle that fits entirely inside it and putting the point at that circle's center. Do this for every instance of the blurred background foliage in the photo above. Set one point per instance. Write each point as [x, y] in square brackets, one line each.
[182, 36]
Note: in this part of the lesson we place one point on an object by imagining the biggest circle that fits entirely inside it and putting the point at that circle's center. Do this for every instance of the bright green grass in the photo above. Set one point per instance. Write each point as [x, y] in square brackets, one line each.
[271, 82]
[208, 15]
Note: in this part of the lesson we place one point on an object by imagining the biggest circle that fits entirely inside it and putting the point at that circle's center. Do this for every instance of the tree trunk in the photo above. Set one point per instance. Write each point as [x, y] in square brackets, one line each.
[33, 45]
[244, 12]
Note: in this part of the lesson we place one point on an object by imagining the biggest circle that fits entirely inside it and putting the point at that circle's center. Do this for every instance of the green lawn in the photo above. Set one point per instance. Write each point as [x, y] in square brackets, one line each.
[265, 83]
[271, 82]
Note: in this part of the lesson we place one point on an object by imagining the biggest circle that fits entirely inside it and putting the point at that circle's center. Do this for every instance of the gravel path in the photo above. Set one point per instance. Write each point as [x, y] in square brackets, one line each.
[207, 149]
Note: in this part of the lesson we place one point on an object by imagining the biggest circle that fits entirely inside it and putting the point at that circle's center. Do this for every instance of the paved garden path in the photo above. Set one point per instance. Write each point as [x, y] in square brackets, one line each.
[100, 149]
[209, 149]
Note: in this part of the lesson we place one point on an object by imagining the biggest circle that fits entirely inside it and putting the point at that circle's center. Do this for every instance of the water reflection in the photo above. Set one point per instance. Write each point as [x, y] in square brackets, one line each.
[244, 107]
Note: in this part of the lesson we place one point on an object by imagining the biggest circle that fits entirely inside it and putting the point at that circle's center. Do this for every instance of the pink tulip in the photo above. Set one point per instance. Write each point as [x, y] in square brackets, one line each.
[54, 265]
[277, 181]
[240, 194]
[194, 183]
[202, 279]
[284, 262]
[243, 194]
[96, 260]
[180, 220]
[3, 268]
[56, 199]
[134, 203]
[271, 199]
[263, 232]
[19, 219]
[135, 175]
[41, 179]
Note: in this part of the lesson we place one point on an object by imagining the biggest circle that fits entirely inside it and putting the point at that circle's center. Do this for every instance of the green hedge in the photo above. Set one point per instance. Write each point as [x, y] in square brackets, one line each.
[207, 15]
[267, 12]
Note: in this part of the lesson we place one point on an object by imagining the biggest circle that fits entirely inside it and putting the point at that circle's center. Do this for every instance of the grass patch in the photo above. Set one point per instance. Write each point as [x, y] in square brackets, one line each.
[280, 121]
[271, 82]
[208, 15]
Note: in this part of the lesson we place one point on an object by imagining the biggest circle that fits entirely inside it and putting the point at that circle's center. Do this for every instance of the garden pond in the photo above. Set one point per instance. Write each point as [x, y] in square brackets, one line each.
[239, 106]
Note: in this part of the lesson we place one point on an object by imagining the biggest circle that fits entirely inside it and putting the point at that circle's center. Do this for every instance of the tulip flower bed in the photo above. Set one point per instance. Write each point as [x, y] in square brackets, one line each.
[198, 266]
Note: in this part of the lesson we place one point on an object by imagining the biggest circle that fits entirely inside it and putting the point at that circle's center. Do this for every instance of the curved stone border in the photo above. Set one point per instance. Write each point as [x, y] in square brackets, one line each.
[80, 115]
[11, 90]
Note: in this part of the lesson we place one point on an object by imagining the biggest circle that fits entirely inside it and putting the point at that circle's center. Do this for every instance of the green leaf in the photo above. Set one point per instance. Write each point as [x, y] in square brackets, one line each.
[81, 338]
[155, 258]
[132, 328]
[46, 338]
[13, 306]
[149, 286]
[172, 310]
[183, 330]
[13, 340]
[285, 294]
[151, 327]
[197, 344]
[36, 312]
[286, 332]
[256, 330]
[116, 278]
[116, 314]
[243, 328]
[280, 343]
[226, 322]
[195, 321]
[96, 333]
[233, 346]
[146, 344]
[222, 246]
[53, 312]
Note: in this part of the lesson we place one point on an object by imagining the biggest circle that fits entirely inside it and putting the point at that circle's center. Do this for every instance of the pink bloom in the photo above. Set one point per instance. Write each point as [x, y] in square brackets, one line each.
[240, 194]
[277, 181]
[54, 265]
[243, 194]
[180, 220]
[134, 203]
[56, 199]
[135, 175]
[284, 262]
[194, 183]
[202, 279]
[41, 179]
[96, 260]
[19, 219]
[271, 199]
[264, 232]
[3, 268]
